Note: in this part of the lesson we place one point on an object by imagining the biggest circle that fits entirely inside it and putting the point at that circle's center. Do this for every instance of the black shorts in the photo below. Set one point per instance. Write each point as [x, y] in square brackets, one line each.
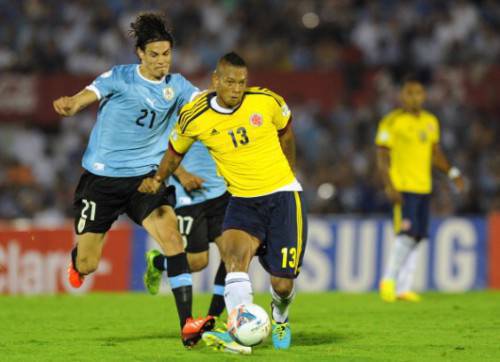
[201, 224]
[99, 200]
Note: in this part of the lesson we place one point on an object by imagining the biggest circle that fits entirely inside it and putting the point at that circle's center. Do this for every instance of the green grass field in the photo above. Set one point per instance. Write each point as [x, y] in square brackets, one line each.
[326, 326]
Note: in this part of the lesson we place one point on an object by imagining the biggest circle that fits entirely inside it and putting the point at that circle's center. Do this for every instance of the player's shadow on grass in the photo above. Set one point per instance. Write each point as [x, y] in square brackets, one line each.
[315, 339]
[299, 338]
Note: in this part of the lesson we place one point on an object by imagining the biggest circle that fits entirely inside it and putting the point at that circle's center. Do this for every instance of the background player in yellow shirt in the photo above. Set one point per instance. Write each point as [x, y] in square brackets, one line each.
[408, 147]
[247, 132]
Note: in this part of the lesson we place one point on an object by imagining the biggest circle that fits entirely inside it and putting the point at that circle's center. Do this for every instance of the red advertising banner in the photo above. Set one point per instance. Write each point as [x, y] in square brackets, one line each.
[34, 261]
[494, 250]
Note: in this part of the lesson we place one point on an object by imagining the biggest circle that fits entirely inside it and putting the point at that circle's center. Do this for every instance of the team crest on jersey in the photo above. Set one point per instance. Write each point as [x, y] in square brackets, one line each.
[168, 93]
[423, 136]
[256, 119]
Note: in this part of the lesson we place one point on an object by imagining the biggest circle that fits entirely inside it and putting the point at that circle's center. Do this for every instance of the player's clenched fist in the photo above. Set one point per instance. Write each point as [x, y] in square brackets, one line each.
[150, 185]
[66, 106]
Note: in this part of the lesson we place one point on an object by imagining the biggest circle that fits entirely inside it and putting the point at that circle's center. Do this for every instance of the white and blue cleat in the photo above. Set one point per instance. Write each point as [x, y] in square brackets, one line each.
[281, 335]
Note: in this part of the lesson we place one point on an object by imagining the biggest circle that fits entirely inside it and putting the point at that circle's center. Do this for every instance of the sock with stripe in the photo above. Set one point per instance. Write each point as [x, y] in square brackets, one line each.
[238, 290]
[181, 283]
[217, 304]
[280, 305]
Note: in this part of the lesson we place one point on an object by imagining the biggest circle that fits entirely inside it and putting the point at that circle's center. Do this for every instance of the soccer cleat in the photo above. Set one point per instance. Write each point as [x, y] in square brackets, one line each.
[387, 289]
[194, 328]
[75, 278]
[281, 335]
[152, 276]
[409, 296]
[220, 340]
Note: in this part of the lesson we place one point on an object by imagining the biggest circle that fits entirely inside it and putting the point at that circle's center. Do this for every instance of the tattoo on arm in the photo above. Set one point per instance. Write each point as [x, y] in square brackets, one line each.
[168, 164]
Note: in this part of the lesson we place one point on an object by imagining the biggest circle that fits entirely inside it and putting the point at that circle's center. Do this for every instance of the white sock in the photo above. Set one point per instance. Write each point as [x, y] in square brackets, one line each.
[238, 290]
[407, 272]
[402, 247]
[281, 305]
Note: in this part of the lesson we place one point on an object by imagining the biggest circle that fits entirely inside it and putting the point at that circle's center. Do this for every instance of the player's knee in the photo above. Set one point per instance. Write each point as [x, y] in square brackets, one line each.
[236, 258]
[166, 211]
[283, 287]
[198, 261]
[87, 265]
[172, 241]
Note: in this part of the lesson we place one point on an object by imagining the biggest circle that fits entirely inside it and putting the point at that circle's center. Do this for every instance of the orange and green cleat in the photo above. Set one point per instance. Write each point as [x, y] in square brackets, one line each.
[194, 328]
[409, 296]
[387, 289]
[75, 278]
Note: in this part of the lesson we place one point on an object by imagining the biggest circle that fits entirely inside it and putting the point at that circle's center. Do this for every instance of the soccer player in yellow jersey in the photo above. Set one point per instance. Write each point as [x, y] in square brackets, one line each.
[248, 134]
[407, 148]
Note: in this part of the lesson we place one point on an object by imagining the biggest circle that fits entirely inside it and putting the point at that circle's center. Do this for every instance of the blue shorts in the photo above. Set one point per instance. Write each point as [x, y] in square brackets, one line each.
[279, 221]
[412, 217]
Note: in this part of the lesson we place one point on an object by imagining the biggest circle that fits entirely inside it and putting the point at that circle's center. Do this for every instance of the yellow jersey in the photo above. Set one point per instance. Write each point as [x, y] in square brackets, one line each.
[243, 142]
[410, 139]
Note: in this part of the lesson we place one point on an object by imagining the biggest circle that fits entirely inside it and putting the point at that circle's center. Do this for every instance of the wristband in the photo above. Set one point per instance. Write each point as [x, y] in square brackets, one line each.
[453, 173]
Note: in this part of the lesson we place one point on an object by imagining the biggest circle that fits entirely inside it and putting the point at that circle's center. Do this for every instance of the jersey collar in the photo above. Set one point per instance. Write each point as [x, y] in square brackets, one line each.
[149, 80]
[219, 109]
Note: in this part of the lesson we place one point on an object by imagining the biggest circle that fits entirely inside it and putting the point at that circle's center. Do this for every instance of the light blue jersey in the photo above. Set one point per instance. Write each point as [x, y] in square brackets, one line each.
[135, 114]
[199, 162]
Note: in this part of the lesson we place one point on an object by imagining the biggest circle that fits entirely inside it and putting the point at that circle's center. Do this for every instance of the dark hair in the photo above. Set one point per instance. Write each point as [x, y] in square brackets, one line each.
[148, 28]
[233, 59]
[423, 77]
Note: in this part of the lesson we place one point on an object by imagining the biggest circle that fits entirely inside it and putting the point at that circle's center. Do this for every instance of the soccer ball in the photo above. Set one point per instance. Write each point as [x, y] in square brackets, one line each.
[248, 324]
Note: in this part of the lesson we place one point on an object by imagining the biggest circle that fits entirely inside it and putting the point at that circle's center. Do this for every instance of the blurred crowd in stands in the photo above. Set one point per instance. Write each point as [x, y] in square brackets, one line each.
[442, 41]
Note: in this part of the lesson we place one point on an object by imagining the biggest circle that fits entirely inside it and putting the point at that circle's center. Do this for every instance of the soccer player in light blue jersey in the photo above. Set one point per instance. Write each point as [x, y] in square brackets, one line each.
[137, 102]
[200, 208]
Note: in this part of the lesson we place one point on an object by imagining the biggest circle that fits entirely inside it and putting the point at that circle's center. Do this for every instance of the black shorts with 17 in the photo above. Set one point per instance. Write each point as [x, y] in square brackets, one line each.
[99, 200]
[201, 223]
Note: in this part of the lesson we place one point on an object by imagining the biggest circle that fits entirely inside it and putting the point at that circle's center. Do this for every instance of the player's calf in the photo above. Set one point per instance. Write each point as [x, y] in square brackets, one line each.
[87, 264]
[197, 261]
[162, 225]
[283, 293]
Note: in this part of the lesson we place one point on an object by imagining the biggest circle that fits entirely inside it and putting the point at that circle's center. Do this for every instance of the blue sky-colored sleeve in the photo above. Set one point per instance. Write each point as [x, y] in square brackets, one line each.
[187, 92]
[106, 83]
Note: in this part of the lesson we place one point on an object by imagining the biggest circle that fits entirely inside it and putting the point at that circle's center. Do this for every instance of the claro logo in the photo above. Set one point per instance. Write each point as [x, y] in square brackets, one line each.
[28, 271]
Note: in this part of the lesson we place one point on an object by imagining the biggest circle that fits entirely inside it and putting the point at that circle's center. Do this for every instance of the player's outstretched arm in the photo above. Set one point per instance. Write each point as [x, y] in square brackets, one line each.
[287, 142]
[69, 106]
[440, 161]
[383, 165]
[169, 163]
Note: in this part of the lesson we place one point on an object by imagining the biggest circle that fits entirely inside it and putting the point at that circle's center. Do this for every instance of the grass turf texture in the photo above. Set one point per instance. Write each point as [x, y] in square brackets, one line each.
[326, 326]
